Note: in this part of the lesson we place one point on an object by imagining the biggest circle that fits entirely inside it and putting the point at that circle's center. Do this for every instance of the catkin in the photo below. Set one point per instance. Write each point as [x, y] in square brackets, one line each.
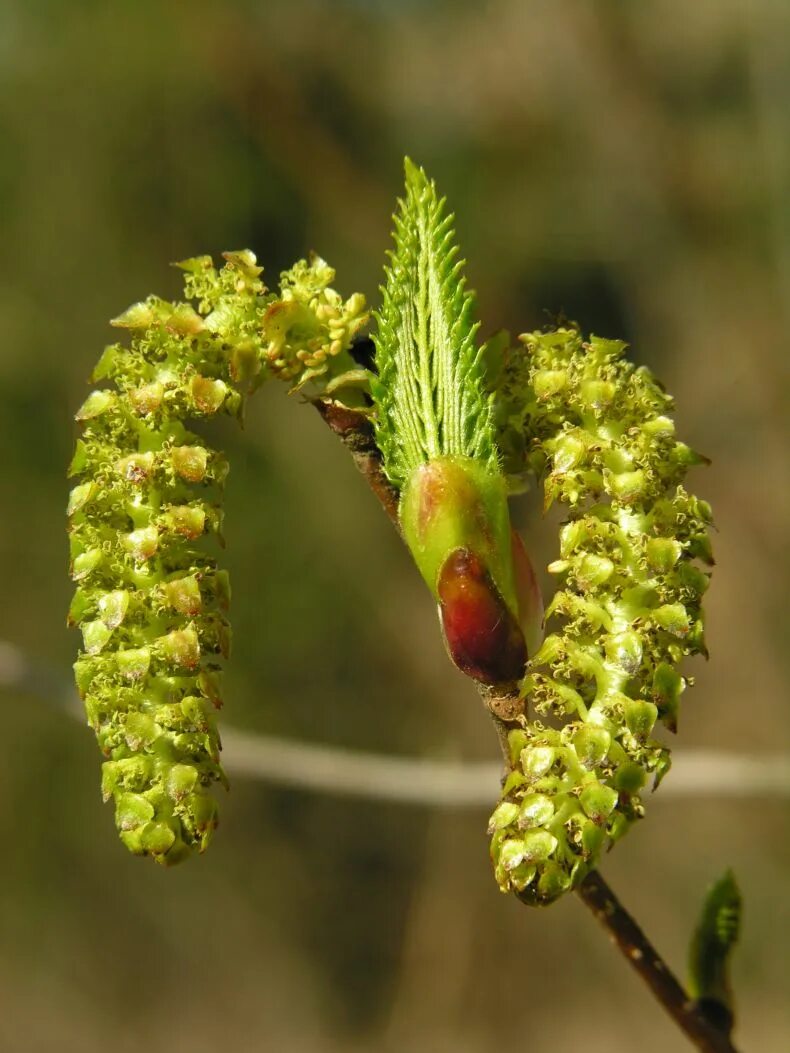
[145, 524]
[596, 430]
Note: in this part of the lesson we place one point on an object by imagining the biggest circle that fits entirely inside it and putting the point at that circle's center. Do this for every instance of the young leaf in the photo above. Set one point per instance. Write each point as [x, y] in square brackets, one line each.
[711, 948]
[430, 393]
[435, 429]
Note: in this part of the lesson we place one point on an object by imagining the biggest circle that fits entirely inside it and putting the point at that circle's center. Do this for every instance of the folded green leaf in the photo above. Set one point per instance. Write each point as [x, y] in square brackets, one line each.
[711, 948]
[431, 390]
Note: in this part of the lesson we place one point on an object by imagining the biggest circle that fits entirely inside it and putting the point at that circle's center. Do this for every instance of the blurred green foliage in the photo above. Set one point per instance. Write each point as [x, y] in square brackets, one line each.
[624, 164]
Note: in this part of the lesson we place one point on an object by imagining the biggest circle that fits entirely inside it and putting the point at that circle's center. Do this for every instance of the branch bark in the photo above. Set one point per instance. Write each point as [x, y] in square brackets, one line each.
[705, 1033]
[355, 431]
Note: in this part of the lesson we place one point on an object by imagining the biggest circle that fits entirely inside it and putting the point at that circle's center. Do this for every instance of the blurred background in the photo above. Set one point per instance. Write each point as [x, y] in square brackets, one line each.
[625, 163]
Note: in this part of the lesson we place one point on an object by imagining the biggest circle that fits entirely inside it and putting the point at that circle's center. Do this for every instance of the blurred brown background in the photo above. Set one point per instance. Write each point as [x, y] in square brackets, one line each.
[626, 163]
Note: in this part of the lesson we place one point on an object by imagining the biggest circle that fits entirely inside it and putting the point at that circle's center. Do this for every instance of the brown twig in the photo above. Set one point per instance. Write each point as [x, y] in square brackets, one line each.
[624, 932]
[355, 431]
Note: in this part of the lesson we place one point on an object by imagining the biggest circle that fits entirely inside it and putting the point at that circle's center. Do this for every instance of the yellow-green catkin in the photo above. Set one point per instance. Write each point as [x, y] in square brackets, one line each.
[145, 524]
[633, 551]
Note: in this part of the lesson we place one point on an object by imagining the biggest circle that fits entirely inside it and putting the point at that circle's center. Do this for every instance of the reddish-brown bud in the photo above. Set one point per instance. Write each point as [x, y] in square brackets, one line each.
[483, 636]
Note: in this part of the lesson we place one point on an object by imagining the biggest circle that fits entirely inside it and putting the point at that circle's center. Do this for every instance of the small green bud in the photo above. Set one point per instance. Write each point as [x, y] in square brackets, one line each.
[84, 672]
[538, 846]
[141, 730]
[108, 363]
[503, 816]
[95, 636]
[85, 563]
[147, 398]
[552, 883]
[132, 811]
[536, 810]
[190, 462]
[142, 544]
[536, 761]
[81, 604]
[511, 854]
[629, 777]
[711, 949]
[659, 428]
[79, 461]
[627, 487]
[200, 815]
[700, 548]
[693, 579]
[572, 535]
[113, 607]
[79, 497]
[598, 801]
[625, 650]
[138, 316]
[156, 838]
[567, 451]
[673, 617]
[593, 571]
[196, 712]
[517, 740]
[617, 826]
[136, 468]
[181, 780]
[209, 684]
[549, 382]
[180, 648]
[591, 745]
[185, 320]
[550, 651]
[128, 773]
[183, 595]
[667, 688]
[97, 403]
[134, 662]
[593, 839]
[186, 520]
[596, 394]
[521, 876]
[663, 553]
[513, 781]
[640, 717]
[207, 395]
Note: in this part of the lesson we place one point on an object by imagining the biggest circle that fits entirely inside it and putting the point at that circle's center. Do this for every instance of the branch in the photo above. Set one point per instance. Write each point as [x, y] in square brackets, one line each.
[624, 932]
[356, 433]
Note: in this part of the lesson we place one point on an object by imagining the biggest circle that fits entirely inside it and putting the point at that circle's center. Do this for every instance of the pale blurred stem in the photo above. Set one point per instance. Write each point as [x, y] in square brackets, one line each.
[356, 433]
